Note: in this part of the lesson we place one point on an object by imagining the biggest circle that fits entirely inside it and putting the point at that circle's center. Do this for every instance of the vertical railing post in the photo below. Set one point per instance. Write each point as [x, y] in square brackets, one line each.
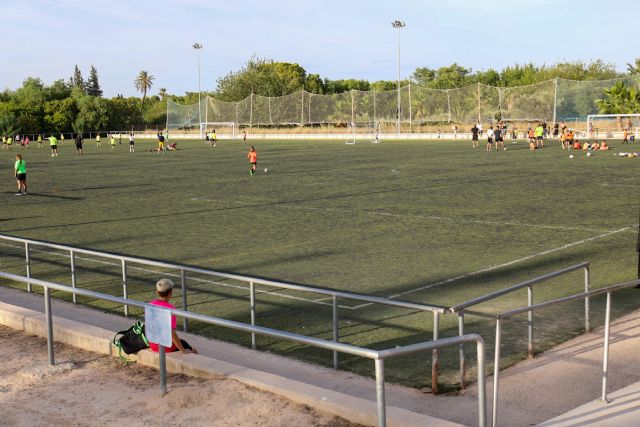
[252, 303]
[434, 358]
[27, 260]
[463, 370]
[125, 291]
[605, 359]
[335, 330]
[72, 257]
[482, 385]
[530, 321]
[496, 373]
[587, 288]
[183, 286]
[49, 324]
[380, 399]
[162, 366]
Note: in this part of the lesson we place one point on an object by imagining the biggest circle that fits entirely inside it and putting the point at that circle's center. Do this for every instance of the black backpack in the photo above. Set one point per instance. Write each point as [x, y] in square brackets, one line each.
[132, 340]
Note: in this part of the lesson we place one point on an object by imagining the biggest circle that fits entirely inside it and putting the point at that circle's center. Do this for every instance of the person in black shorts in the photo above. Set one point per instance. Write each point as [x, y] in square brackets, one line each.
[131, 143]
[489, 138]
[474, 136]
[498, 135]
[78, 142]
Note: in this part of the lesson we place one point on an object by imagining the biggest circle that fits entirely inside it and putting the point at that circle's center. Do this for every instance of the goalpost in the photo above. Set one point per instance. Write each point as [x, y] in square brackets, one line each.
[219, 127]
[612, 125]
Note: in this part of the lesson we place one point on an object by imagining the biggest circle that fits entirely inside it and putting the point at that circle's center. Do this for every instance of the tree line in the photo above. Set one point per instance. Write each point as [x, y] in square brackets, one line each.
[77, 105]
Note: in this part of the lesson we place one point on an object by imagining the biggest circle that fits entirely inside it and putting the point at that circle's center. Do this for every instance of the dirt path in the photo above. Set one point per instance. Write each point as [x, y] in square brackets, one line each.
[89, 389]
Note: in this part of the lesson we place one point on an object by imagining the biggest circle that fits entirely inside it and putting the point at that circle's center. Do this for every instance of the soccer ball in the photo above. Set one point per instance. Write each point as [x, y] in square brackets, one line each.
[266, 170]
[571, 156]
[588, 154]
[504, 148]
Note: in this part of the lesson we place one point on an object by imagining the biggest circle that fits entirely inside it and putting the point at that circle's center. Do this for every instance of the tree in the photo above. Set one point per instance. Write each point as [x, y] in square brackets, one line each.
[93, 85]
[77, 80]
[143, 83]
[619, 99]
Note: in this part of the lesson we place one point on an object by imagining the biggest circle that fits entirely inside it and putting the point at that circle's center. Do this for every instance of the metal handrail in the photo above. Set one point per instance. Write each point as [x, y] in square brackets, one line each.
[530, 308]
[462, 308]
[379, 356]
[125, 260]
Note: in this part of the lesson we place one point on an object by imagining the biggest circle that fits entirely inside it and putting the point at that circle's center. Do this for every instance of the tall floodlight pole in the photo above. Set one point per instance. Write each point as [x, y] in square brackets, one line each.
[197, 47]
[399, 25]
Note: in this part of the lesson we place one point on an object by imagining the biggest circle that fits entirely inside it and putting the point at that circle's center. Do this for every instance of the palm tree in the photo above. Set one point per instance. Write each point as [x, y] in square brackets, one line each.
[143, 83]
[162, 92]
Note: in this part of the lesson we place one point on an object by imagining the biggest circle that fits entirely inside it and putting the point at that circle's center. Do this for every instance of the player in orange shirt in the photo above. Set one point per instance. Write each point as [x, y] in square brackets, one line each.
[253, 160]
[625, 137]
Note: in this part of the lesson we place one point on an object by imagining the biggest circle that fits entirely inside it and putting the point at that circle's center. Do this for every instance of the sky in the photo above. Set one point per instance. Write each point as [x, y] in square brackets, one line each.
[336, 39]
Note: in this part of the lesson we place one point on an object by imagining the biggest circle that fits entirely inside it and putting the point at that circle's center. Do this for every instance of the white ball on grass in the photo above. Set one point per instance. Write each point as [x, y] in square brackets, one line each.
[571, 156]
[266, 170]
[588, 154]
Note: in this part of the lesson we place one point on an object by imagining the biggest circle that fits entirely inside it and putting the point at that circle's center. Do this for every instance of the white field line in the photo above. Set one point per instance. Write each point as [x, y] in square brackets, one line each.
[449, 219]
[278, 293]
[495, 267]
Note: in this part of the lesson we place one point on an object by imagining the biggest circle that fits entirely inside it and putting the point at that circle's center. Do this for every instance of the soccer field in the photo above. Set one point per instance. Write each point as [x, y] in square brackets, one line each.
[433, 222]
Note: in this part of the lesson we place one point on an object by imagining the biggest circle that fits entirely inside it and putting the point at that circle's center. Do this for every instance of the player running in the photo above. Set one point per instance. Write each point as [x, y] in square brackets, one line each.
[20, 172]
[253, 160]
[625, 137]
[113, 142]
[39, 141]
[539, 132]
[214, 138]
[53, 143]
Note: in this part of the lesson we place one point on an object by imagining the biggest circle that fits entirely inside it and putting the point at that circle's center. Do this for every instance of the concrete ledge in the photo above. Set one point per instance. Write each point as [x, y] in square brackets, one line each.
[98, 340]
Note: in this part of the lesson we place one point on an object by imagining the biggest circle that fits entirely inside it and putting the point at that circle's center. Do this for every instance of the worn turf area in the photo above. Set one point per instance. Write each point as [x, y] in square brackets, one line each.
[430, 222]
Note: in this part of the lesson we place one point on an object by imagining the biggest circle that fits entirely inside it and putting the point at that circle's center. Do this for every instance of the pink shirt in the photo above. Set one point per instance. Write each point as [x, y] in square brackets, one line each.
[155, 347]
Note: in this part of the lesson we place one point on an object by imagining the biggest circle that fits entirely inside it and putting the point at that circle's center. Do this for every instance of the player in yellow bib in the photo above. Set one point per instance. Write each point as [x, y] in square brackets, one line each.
[113, 142]
[39, 141]
[53, 142]
[98, 140]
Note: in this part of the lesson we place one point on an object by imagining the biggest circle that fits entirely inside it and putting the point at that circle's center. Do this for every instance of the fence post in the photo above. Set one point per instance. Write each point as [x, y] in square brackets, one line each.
[252, 306]
[125, 291]
[410, 118]
[380, 400]
[463, 370]
[72, 256]
[530, 321]
[605, 361]
[335, 330]
[162, 366]
[448, 106]
[183, 284]
[434, 357]
[496, 373]
[27, 259]
[482, 385]
[555, 99]
[587, 288]
[49, 320]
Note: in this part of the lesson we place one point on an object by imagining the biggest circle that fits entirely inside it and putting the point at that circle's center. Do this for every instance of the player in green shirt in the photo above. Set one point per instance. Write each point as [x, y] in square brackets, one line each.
[9, 141]
[539, 132]
[20, 172]
[53, 142]
[98, 140]
[113, 142]
[39, 141]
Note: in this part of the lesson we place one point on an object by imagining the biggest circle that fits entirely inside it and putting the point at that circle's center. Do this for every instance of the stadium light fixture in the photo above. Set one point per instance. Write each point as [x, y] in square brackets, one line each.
[197, 47]
[398, 25]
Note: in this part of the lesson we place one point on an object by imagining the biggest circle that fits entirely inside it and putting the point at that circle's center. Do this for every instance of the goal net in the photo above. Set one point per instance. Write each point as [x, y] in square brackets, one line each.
[612, 125]
[223, 130]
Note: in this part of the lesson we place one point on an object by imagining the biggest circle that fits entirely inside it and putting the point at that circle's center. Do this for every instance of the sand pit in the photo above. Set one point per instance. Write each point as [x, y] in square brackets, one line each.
[89, 389]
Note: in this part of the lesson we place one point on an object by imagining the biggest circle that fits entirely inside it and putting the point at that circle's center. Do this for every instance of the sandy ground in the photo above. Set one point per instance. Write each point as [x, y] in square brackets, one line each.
[86, 389]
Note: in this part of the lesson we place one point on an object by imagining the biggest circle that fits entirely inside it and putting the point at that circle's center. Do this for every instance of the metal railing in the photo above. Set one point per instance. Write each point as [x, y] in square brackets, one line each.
[460, 309]
[530, 308]
[125, 260]
[379, 356]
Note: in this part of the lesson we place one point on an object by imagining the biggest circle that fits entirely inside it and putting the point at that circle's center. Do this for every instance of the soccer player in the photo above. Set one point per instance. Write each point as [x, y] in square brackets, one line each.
[489, 138]
[625, 137]
[160, 143]
[25, 142]
[53, 142]
[556, 129]
[79, 144]
[131, 144]
[39, 141]
[98, 141]
[214, 138]
[244, 135]
[20, 172]
[113, 142]
[253, 160]
[4, 142]
[514, 134]
[9, 142]
[474, 136]
[479, 125]
[62, 138]
[539, 132]
[499, 138]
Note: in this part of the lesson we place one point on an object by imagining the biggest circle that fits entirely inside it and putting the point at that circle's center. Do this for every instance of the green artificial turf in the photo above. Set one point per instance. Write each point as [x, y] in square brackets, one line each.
[384, 219]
